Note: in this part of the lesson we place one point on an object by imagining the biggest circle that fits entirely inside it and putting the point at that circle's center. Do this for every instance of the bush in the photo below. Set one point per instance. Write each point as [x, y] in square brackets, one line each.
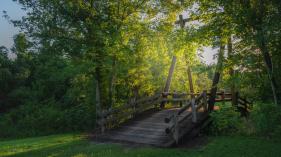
[267, 119]
[225, 121]
[44, 119]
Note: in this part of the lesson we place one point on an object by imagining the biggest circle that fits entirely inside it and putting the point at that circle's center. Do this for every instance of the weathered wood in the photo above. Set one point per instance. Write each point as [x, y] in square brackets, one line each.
[223, 100]
[190, 82]
[216, 78]
[169, 79]
[205, 101]
[175, 99]
[138, 103]
[194, 112]
[182, 21]
[191, 89]
[148, 130]
[170, 75]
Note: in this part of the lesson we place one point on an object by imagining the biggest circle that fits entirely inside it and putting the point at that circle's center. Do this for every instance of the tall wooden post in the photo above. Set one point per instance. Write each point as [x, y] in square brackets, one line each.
[169, 80]
[191, 89]
[190, 82]
[216, 78]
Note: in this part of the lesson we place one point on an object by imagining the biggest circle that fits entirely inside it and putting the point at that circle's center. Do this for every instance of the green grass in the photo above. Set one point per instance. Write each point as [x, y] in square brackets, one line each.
[78, 146]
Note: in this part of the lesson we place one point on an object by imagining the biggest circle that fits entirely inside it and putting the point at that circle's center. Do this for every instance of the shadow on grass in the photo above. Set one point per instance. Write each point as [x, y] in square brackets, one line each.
[88, 149]
[217, 147]
[56, 150]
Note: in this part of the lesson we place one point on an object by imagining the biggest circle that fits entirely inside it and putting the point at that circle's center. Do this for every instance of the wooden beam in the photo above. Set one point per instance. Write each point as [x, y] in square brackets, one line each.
[191, 89]
[170, 75]
[216, 78]
[183, 20]
[169, 79]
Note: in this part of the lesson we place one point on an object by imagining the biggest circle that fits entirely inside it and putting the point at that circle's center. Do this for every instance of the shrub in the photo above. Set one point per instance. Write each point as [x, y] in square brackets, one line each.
[43, 119]
[267, 119]
[225, 121]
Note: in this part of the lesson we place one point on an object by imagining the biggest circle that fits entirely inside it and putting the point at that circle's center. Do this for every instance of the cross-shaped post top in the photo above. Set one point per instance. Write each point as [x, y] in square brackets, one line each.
[181, 21]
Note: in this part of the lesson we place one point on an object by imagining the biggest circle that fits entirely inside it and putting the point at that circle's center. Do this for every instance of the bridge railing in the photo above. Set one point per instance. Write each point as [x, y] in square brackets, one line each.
[197, 104]
[115, 116]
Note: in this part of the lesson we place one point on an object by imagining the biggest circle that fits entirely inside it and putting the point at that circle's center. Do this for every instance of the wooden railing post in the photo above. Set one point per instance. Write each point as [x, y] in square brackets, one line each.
[102, 121]
[194, 112]
[235, 98]
[205, 101]
[176, 131]
[223, 97]
[134, 107]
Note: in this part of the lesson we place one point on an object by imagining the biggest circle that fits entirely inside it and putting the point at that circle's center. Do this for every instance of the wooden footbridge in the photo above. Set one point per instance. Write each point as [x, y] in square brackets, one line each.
[147, 121]
[164, 119]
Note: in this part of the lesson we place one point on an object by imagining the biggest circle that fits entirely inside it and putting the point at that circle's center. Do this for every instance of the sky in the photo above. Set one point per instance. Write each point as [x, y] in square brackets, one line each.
[7, 30]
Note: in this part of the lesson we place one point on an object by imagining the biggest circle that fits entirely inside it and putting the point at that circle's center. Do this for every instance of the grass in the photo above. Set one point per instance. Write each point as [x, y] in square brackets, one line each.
[78, 146]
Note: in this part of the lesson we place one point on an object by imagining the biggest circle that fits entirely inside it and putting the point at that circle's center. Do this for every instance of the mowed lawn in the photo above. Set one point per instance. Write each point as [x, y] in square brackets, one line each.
[79, 146]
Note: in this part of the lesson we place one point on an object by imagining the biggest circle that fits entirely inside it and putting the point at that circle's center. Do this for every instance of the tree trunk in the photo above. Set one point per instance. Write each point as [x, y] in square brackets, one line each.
[99, 114]
[112, 83]
[216, 78]
[262, 44]
[268, 64]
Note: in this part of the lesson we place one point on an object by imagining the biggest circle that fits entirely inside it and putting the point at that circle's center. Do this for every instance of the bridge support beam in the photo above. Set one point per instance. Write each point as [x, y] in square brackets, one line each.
[169, 80]
[216, 79]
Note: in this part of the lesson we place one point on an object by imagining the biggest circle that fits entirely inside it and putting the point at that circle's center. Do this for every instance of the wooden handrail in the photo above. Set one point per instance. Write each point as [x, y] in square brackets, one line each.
[175, 120]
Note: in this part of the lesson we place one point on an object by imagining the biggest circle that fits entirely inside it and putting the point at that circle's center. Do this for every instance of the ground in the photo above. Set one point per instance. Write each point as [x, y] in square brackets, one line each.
[79, 146]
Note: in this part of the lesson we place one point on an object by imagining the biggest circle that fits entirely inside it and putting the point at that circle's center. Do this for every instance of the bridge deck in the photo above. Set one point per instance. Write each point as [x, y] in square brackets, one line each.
[150, 129]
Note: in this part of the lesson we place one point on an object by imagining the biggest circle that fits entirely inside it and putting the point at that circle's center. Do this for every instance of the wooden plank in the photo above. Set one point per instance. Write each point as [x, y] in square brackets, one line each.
[175, 99]
[137, 139]
[225, 99]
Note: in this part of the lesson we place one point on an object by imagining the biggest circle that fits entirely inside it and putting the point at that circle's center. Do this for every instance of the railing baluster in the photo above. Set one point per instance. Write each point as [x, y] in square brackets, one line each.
[205, 101]
[194, 113]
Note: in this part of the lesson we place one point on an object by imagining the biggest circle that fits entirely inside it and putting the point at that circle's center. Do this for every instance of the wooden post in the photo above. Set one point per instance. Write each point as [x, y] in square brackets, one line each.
[223, 97]
[236, 97]
[181, 21]
[194, 112]
[169, 80]
[205, 100]
[190, 82]
[216, 78]
[182, 24]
